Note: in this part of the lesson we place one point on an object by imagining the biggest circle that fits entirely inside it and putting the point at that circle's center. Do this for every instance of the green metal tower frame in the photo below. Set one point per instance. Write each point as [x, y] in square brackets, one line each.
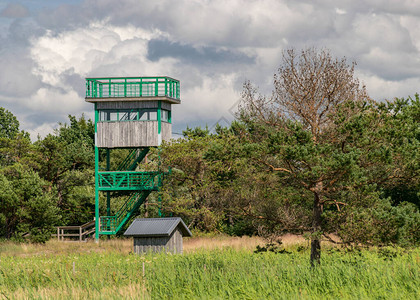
[136, 184]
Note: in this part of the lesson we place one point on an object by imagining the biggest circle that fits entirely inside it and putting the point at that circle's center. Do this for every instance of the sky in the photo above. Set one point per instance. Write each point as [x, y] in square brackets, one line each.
[48, 48]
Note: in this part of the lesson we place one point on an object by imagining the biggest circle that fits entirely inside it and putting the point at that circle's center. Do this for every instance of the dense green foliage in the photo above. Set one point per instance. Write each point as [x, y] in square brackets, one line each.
[9, 125]
[254, 178]
[381, 274]
[26, 206]
[46, 183]
[225, 182]
[318, 157]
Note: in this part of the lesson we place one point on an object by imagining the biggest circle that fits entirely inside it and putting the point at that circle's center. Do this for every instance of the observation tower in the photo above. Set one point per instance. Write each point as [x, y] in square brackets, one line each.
[130, 113]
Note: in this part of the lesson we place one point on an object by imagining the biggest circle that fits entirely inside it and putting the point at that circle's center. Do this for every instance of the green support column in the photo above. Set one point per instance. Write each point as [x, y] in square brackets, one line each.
[141, 88]
[96, 194]
[160, 206]
[159, 115]
[109, 88]
[96, 180]
[108, 194]
[125, 87]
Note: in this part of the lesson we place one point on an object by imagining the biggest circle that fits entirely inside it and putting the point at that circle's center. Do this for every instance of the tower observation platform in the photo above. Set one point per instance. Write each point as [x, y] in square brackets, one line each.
[133, 113]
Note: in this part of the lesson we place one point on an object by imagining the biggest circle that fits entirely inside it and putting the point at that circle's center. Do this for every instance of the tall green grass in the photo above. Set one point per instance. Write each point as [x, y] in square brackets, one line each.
[216, 274]
[95, 274]
[233, 274]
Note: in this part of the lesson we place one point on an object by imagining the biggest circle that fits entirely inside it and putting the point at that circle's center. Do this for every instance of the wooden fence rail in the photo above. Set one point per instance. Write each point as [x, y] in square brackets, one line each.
[82, 231]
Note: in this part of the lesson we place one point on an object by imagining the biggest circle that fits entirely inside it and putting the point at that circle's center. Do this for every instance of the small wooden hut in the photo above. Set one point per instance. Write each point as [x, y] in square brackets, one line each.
[157, 234]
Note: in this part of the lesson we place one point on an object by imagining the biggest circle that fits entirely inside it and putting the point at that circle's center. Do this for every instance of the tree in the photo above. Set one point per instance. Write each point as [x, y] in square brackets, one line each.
[66, 160]
[17, 149]
[9, 125]
[26, 207]
[310, 87]
[15, 146]
[187, 191]
[253, 197]
[403, 124]
[47, 183]
[321, 133]
[208, 193]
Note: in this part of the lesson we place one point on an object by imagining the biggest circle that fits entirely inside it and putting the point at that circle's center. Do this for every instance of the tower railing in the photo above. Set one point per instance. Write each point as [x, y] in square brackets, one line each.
[129, 180]
[122, 87]
[112, 224]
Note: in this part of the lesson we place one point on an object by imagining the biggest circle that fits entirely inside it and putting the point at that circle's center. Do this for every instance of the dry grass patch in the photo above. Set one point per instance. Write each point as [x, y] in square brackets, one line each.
[125, 246]
[54, 247]
[219, 242]
[131, 291]
[239, 243]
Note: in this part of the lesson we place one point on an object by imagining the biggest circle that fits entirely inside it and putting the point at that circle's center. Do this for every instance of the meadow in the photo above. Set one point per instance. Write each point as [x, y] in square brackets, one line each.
[210, 268]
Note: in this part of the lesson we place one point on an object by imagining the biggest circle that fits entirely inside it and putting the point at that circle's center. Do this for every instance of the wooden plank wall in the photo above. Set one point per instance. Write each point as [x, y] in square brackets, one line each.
[131, 133]
[166, 131]
[171, 244]
[127, 134]
[166, 105]
[150, 244]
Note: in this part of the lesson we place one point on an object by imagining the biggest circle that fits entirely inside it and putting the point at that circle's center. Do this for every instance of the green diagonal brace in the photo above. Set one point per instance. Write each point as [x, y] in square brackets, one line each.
[126, 162]
[139, 202]
[126, 176]
[139, 158]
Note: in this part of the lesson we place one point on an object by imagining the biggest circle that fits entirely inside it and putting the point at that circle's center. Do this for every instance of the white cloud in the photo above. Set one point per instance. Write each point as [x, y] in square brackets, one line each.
[412, 25]
[15, 78]
[85, 49]
[388, 89]
[98, 50]
[340, 11]
[40, 131]
[14, 10]
[209, 101]
[48, 100]
[103, 50]
[112, 38]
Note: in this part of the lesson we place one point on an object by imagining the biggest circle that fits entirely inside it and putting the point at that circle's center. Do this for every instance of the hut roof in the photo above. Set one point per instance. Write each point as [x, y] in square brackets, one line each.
[154, 227]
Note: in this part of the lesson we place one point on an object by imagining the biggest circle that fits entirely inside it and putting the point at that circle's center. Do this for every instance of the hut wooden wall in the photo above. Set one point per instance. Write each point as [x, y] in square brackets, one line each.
[171, 244]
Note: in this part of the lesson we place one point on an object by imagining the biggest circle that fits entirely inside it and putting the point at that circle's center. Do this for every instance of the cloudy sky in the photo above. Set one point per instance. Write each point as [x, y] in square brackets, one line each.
[48, 47]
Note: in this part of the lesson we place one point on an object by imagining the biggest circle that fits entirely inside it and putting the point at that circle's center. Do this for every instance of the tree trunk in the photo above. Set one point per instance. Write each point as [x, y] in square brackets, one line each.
[316, 230]
[146, 208]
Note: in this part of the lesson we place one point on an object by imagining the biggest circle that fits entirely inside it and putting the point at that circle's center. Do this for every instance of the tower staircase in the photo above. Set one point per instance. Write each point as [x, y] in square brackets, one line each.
[133, 159]
[136, 185]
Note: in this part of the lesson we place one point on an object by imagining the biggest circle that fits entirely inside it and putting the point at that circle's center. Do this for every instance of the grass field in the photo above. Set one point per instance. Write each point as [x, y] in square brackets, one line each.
[211, 268]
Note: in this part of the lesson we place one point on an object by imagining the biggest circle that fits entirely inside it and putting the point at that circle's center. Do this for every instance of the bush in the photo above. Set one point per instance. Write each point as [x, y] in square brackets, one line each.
[382, 225]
